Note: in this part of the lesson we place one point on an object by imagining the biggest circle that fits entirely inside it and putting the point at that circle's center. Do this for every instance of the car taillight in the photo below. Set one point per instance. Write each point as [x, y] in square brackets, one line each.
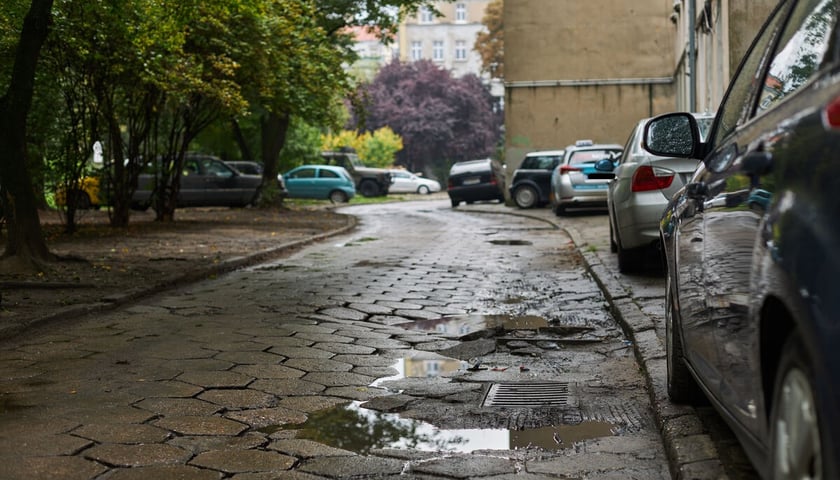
[645, 179]
[567, 169]
[492, 179]
[831, 114]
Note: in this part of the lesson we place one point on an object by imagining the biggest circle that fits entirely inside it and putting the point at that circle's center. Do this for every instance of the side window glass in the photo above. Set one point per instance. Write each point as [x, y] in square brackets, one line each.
[737, 105]
[305, 173]
[327, 174]
[800, 50]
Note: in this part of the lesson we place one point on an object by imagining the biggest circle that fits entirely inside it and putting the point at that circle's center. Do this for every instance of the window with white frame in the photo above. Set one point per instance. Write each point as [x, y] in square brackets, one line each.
[425, 15]
[416, 50]
[437, 50]
[460, 12]
[460, 50]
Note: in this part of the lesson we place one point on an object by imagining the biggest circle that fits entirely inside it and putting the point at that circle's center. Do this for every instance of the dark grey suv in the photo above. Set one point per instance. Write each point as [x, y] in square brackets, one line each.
[752, 246]
[531, 183]
[476, 180]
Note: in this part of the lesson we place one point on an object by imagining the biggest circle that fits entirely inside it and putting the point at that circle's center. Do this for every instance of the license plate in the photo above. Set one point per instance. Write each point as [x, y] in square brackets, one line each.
[471, 181]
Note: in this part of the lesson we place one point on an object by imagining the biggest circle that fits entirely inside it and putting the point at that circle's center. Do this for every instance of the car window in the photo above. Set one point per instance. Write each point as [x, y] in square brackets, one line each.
[799, 52]
[215, 168]
[303, 173]
[705, 124]
[591, 156]
[541, 162]
[736, 106]
[190, 167]
[327, 174]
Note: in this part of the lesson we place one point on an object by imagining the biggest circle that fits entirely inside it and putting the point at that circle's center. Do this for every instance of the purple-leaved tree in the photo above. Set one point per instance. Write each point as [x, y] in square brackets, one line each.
[441, 119]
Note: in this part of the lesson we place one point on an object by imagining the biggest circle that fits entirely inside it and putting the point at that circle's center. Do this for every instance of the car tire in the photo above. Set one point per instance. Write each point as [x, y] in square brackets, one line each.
[559, 210]
[525, 196]
[337, 196]
[369, 188]
[795, 446]
[613, 244]
[630, 260]
[454, 202]
[423, 190]
[682, 387]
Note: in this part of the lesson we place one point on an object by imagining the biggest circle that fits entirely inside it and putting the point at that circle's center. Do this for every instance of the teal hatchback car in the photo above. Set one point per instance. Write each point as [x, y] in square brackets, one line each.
[320, 181]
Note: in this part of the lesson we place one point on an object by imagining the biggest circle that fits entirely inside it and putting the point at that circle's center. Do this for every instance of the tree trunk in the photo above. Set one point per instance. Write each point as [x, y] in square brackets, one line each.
[273, 137]
[25, 237]
[240, 140]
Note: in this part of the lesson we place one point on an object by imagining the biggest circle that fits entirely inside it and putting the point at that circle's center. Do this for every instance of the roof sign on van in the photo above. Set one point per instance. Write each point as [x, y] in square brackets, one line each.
[584, 143]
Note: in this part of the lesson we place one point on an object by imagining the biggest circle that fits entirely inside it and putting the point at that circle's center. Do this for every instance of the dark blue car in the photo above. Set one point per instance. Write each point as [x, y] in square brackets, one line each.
[752, 247]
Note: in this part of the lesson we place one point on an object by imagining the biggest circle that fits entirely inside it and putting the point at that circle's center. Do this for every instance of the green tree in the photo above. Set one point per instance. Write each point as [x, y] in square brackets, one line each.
[379, 148]
[490, 42]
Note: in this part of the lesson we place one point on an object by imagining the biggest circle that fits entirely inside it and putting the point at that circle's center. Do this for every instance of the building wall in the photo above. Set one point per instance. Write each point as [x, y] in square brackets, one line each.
[723, 31]
[449, 30]
[588, 69]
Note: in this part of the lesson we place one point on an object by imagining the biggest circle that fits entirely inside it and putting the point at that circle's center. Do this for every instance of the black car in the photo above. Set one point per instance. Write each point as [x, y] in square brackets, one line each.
[476, 180]
[531, 183]
[206, 181]
[752, 246]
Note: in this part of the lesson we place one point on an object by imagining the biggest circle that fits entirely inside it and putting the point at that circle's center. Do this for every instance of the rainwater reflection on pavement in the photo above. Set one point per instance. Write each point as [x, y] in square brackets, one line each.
[354, 428]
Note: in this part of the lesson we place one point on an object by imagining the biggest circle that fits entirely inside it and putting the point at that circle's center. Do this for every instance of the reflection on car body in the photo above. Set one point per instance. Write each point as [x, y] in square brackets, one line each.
[752, 320]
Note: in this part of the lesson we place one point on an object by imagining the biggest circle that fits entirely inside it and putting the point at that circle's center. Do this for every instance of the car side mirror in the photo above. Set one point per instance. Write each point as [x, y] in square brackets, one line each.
[672, 135]
[604, 165]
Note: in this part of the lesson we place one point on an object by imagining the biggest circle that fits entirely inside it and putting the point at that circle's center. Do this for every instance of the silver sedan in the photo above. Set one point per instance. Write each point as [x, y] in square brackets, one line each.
[638, 195]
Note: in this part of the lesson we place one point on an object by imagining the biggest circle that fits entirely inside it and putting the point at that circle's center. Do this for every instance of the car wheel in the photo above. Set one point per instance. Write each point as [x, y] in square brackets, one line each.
[630, 260]
[613, 244]
[682, 388]
[423, 190]
[525, 196]
[559, 210]
[454, 202]
[337, 196]
[796, 450]
[369, 189]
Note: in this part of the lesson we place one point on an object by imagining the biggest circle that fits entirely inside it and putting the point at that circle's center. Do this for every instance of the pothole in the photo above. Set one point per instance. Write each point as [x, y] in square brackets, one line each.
[510, 242]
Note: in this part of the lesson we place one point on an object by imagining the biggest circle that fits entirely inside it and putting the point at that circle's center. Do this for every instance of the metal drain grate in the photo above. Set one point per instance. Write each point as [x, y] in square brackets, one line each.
[527, 395]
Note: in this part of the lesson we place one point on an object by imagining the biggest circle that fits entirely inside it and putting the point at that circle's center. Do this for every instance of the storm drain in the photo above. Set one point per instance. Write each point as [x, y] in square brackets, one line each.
[527, 395]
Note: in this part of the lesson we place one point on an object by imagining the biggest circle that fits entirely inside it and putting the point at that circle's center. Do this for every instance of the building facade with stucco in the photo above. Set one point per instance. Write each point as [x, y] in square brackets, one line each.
[591, 70]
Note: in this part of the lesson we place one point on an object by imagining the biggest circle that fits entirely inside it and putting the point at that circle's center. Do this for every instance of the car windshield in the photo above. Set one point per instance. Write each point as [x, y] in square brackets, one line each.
[591, 156]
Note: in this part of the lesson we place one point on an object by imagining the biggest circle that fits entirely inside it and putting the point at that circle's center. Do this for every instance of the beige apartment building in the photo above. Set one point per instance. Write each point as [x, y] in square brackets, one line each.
[448, 39]
[583, 70]
[591, 69]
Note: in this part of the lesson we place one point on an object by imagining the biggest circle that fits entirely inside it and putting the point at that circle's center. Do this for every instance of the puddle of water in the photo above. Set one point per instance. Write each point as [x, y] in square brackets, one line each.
[460, 325]
[360, 430]
[510, 242]
[351, 427]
